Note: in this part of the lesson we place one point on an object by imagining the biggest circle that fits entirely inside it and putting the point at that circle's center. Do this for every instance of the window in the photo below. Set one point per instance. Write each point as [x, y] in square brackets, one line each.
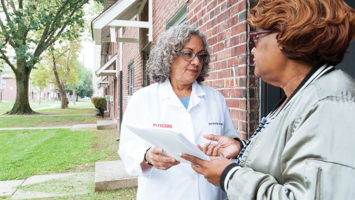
[178, 18]
[130, 78]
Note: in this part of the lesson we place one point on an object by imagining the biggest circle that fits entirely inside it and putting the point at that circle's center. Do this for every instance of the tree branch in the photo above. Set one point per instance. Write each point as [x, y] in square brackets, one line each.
[5, 10]
[11, 2]
[3, 28]
[47, 30]
[59, 16]
[56, 75]
[20, 4]
[4, 57]
[51, 39]
[8, 19]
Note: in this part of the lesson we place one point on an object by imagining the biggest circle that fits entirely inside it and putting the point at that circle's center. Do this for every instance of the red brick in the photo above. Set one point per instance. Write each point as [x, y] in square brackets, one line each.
[239, 29]
[225, 92]
[212, 41]
[211, 6]
[239, 93]
[242, 71]
[229, 83]
[233, 113]
[242, 82]
[242, 105]
[218, 47]
[233, 62]
[218, 84]
[212, 75]
[232, 103]
[223, 16]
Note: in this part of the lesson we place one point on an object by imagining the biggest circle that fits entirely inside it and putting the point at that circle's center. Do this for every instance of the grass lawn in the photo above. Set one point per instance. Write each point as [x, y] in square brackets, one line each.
[80, 113]
[24, 153]
[12, 121]
[28, 152]
[79, 105]
[72, 188]
[5, 106]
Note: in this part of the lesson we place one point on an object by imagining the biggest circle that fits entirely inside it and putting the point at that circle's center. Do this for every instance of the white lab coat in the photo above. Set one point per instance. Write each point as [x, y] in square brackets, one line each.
[158, 104]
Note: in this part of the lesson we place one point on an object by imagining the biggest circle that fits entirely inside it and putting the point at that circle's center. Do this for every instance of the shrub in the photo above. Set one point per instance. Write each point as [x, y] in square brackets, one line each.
[100, 104]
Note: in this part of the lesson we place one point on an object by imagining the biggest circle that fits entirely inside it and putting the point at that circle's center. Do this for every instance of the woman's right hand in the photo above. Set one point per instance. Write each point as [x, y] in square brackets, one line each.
[156, 157]
[226, 146]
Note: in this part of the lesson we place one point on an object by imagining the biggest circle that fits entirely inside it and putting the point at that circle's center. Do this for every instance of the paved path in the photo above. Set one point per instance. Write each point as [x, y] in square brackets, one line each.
[37, 186]
[48, 107]
[74, 127]
[48, 114]
[33, 128]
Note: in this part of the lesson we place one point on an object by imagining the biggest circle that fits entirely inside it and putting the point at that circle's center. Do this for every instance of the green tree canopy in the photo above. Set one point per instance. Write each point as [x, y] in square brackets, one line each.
[28, 28]
[83, 85]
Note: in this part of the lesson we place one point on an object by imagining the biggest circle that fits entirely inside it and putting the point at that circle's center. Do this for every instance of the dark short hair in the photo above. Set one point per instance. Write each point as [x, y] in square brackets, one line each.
[316, 32]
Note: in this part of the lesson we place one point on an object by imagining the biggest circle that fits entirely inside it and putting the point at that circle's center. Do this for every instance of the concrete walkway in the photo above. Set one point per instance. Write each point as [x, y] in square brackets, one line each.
[33, 128]
[108, 175]
[48, 107]
[48, 186]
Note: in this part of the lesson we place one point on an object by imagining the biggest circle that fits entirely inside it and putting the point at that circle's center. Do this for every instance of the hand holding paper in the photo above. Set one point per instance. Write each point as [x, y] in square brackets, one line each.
[173, 142]
[156, 156]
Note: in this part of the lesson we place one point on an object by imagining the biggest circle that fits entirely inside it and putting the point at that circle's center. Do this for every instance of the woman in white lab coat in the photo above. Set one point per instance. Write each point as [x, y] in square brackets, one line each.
[178, 64]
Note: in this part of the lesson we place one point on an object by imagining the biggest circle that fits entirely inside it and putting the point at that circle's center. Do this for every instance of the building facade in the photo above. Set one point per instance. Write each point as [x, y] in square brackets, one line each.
[126, 31]
[8, 91]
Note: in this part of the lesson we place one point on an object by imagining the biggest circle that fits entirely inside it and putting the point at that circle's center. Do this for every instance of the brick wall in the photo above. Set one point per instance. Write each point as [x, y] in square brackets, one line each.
[225, 27]
[223, 22]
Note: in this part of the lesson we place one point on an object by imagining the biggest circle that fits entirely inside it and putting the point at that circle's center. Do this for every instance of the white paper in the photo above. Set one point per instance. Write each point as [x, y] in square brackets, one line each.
[173, 142]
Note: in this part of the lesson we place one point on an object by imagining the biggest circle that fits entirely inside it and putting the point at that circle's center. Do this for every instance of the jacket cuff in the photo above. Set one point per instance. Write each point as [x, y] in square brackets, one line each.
[242, 143]
[227, 174]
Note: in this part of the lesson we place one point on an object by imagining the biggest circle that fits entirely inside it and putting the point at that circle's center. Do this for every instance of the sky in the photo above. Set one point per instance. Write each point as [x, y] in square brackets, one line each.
[87, 53]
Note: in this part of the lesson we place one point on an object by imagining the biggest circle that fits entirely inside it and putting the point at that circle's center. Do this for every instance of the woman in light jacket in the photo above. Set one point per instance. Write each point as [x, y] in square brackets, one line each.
[178, 64]
[304, 149]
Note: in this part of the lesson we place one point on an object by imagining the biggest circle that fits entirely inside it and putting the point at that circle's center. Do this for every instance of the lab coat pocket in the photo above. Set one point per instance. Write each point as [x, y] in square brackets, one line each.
[209, 129]
[215, 128]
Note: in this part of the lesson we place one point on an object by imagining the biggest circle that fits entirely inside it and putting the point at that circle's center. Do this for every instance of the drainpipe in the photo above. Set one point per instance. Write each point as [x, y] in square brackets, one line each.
[248, 70]
[120, 92]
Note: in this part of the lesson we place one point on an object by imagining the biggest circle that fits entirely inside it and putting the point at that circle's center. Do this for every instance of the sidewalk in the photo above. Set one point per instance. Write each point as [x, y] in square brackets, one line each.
[108, 175]
[48, 107]
[48, 186]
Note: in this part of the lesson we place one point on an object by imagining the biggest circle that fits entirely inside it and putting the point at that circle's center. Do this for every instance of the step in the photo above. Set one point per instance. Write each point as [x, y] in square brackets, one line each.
[106, 124]
[78, 127]
[111, 175]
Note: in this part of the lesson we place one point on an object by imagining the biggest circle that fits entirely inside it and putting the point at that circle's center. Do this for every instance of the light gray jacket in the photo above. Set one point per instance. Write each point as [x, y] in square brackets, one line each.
[307, 151]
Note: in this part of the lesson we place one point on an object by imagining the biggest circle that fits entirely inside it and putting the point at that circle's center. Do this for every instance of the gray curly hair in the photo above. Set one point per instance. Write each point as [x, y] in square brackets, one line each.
[168, 47]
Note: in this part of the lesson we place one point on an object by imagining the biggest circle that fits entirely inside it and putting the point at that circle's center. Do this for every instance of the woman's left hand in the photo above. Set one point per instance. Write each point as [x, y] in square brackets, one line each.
[211, 169]
[156, 157]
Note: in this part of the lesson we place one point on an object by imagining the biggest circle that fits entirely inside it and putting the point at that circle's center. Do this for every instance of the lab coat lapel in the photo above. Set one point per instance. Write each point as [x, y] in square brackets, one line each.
[167, 94]
[196, 95]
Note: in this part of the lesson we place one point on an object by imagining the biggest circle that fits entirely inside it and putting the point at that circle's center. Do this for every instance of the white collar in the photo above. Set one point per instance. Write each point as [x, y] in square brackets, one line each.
[166, 92]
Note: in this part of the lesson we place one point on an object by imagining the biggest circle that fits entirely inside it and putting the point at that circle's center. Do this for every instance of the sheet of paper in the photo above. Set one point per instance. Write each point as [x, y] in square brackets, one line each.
[170, 140]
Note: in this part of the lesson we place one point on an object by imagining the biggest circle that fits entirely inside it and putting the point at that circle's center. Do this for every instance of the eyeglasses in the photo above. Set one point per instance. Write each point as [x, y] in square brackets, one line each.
[254, 37]
[189, 55]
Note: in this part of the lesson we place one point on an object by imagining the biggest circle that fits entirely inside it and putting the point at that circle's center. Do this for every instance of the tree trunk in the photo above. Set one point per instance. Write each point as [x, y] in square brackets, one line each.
[60, 84]
[22, 105]
[74, 95]
[63, 97]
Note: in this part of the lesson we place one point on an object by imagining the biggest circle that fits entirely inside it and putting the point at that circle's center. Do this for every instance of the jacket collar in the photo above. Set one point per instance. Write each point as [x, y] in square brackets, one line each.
[166, 92]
